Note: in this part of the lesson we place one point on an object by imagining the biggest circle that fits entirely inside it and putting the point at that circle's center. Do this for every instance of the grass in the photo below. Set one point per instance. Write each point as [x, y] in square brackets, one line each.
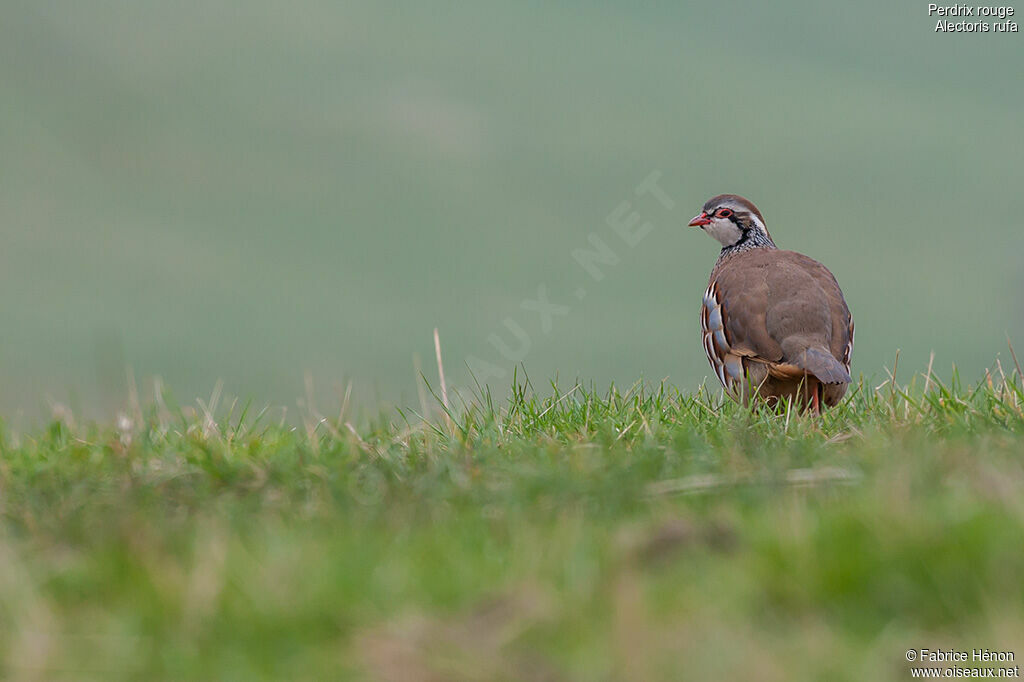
[565, 534]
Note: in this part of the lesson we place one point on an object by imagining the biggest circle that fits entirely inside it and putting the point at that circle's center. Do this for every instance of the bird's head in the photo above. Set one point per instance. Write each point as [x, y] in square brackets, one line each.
[732, 220]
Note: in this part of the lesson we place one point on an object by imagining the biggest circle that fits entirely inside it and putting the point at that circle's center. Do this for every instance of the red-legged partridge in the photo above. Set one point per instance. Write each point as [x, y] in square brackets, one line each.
[774, 322]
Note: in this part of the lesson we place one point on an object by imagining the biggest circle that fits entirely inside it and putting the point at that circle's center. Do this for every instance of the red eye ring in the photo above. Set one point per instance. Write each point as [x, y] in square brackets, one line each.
[723, 213]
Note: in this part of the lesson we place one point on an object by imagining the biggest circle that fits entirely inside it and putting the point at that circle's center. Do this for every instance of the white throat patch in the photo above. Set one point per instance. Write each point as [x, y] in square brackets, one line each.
[724, 230]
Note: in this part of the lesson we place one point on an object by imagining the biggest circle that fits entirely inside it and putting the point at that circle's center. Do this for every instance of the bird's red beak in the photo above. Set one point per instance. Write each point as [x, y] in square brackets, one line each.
[700, 220]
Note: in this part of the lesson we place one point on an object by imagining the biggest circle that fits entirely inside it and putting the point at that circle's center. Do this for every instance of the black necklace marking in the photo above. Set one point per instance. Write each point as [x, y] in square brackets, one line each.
[750, 238]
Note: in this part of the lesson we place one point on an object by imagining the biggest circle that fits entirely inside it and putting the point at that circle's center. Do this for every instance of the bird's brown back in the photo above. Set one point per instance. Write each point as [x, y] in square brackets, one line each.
[780, 303]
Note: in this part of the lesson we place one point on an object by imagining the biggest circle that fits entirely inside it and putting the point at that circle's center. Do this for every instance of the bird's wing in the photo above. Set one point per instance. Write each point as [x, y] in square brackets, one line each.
[841, 339]
[732, 342]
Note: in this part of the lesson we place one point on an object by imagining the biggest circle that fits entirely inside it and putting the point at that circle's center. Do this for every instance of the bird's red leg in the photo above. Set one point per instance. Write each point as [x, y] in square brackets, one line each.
[815, 402]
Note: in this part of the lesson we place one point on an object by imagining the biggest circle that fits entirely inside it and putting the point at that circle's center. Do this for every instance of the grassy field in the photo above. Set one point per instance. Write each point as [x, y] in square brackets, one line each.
[251, 192]
[570, 534]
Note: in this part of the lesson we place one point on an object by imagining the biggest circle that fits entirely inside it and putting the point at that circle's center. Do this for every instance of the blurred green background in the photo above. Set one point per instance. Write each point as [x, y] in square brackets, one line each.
[250, 191]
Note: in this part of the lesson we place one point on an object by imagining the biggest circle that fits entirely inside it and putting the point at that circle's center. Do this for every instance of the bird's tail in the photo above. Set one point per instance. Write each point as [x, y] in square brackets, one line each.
[824, 366]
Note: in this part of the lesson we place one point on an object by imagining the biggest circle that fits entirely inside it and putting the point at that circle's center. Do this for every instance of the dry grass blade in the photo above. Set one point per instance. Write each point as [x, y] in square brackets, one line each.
[440, 377]
[702, 483]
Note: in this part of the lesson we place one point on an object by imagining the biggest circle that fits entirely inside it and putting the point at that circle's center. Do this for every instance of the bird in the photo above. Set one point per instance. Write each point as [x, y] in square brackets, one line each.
[774, 323]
